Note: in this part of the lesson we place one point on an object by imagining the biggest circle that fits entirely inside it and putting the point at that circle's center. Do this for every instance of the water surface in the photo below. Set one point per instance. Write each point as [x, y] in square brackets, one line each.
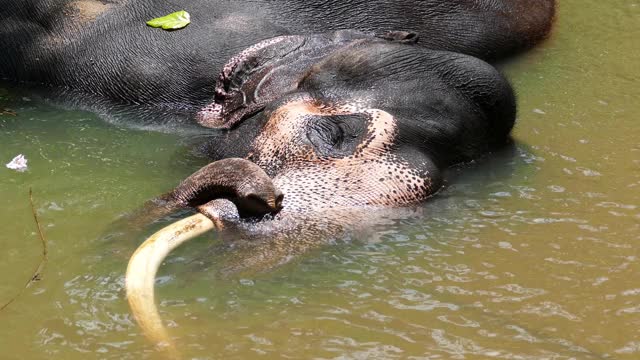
[529, 254]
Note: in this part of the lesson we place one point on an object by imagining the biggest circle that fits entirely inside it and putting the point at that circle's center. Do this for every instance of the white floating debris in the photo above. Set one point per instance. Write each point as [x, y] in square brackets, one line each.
[506, 245]
[19, 163]
[538, 111]
[55, 207]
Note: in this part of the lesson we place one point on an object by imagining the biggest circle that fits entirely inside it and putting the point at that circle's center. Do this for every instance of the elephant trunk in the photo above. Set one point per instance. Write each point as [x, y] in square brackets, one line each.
[238, 180]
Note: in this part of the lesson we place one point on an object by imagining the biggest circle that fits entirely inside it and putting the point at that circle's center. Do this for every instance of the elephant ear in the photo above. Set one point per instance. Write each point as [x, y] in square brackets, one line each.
[268, 70]
[238, 89]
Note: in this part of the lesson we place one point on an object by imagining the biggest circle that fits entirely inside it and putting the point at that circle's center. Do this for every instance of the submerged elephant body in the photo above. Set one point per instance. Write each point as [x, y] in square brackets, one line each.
[103, 50]
[374, 112]
[337, 105]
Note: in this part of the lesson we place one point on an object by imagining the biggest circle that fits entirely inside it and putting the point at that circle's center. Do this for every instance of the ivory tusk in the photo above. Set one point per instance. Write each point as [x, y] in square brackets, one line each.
[141, 273]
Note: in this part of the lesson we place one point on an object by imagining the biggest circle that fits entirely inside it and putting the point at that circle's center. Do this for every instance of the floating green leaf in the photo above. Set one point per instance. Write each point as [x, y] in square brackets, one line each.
[173, 21]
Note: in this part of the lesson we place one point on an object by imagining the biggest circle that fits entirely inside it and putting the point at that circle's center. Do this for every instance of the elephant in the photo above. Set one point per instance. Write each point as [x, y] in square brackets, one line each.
[315, 109]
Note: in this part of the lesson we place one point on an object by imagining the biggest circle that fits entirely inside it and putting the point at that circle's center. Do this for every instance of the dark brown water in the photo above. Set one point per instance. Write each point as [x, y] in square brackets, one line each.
[531, 254]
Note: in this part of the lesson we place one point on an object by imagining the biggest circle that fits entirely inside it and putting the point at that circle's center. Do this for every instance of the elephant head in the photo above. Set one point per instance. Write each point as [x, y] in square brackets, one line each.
[330, 122]
[353, 119]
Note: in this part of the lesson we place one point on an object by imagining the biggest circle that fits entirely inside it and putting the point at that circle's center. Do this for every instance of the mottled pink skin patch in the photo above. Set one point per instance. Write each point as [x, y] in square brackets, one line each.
[371, 176]
[211, 116]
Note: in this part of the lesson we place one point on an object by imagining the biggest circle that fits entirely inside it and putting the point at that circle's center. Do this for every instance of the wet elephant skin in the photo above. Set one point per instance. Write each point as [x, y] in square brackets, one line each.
[343, 104]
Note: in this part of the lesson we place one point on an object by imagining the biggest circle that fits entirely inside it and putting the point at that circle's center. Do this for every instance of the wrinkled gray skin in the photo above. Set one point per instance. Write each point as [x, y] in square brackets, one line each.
[345, 105]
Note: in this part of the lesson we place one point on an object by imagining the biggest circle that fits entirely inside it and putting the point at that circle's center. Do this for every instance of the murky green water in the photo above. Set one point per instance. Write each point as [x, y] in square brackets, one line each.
[531, 254]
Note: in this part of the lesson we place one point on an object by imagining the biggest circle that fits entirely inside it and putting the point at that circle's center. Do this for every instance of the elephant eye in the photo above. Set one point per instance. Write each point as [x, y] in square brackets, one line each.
[336, 136]
[324, 134]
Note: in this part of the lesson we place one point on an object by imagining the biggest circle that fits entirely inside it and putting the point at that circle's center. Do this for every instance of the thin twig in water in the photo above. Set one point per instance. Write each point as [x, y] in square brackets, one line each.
[37, 274]
[7, 111]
